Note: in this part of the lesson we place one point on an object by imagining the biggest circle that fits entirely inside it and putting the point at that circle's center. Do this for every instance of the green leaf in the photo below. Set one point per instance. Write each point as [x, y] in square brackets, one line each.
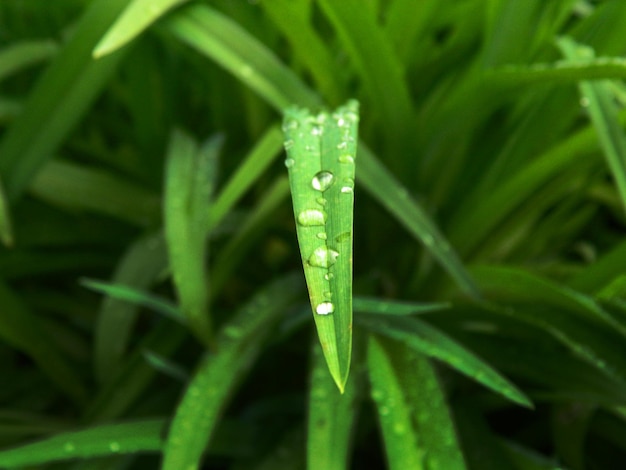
[189, 183]
[603, 111]
[60, 97]
[428, 340]
[213, 384]
[136, 297]
[321, 153]
[107, 439]
[235, 49]
[331, 417]
[415, 420]
[136, 18]
[392, 307]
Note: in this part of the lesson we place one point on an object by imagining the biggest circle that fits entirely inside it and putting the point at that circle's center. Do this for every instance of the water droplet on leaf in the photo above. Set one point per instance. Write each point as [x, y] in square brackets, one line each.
[322, 180]
[289, 162]
[344, 158]
[325, 308]
[311, 217]
[323, 257]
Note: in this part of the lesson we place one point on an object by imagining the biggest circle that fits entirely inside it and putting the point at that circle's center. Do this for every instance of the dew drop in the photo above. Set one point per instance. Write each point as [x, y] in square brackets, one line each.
[325, 308]
[321, 201]
[328, 294]
[114, 446]
[342, 145]
[341, 122]
[321, 236]
[311, 217]
[342, 158]
[288, 144]
[349, 182]
[322, 180]
[399, 429]
[328, 276]
[316, 131]
[347, 190]
[289, 162]
[323, 257]
[69, 447]
[290, 125]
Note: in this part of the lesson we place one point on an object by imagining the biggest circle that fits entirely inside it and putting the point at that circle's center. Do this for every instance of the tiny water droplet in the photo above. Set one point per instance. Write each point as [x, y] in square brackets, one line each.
[322, 180]
[316, 130]
[399, 429]
[325, 308]
[328, 276]
[342, 145]
[344, 158]
[321, 236]
[246, 71]
[383, 410]
[69, 447]
[342, 237]
[428, 239]
[233, 331]
[311, 217]
[349, 182]
[290, 125]
[378, 395]
[321, 201]
[323, 257]
[341, 122]
[328, 294]
[114, 446]
[289, 162]
[347, 190]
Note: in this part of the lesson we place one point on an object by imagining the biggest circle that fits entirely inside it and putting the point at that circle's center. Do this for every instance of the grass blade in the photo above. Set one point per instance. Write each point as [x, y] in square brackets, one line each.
[137, 297]
[235, 49]
[249, 171]
[382, 185]
[428, 340]
[213, 384]
[136, 18]
[604, 115]
[321, 153]
[108, 439]
[141, 264]
[388, 307]
[331, 417]
[59, 99]
[189, 181]
[415, 420]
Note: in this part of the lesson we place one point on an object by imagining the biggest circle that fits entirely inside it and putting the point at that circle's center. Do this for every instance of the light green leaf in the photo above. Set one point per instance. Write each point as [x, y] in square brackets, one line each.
[136, 18]
[321, 153]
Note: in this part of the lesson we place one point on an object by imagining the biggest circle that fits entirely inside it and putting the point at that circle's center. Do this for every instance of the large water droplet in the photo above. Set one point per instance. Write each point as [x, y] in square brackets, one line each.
[322, 180]
[323, 257]
[311, 217]
[325, 308]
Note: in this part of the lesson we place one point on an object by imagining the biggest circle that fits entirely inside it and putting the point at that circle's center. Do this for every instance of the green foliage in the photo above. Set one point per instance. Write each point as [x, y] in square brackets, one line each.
[464, 261]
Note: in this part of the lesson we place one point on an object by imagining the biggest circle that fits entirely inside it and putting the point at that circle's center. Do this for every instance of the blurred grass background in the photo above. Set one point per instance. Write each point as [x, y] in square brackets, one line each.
[152, 304]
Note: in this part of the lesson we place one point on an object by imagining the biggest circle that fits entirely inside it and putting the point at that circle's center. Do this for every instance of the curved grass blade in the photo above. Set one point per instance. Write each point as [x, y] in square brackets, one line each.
[331, 417]
[416, 424]
[255, 163]
[213, 384]
[136, 18]
[428, 340]
[108, 439]
[166, 366]
[232, 47]
[136, 297]
[189, 182]
[142, 263]
[219, 38]
[381, 184]
[17, 56]
[59, 99]
[321, 153]
[604, 115]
